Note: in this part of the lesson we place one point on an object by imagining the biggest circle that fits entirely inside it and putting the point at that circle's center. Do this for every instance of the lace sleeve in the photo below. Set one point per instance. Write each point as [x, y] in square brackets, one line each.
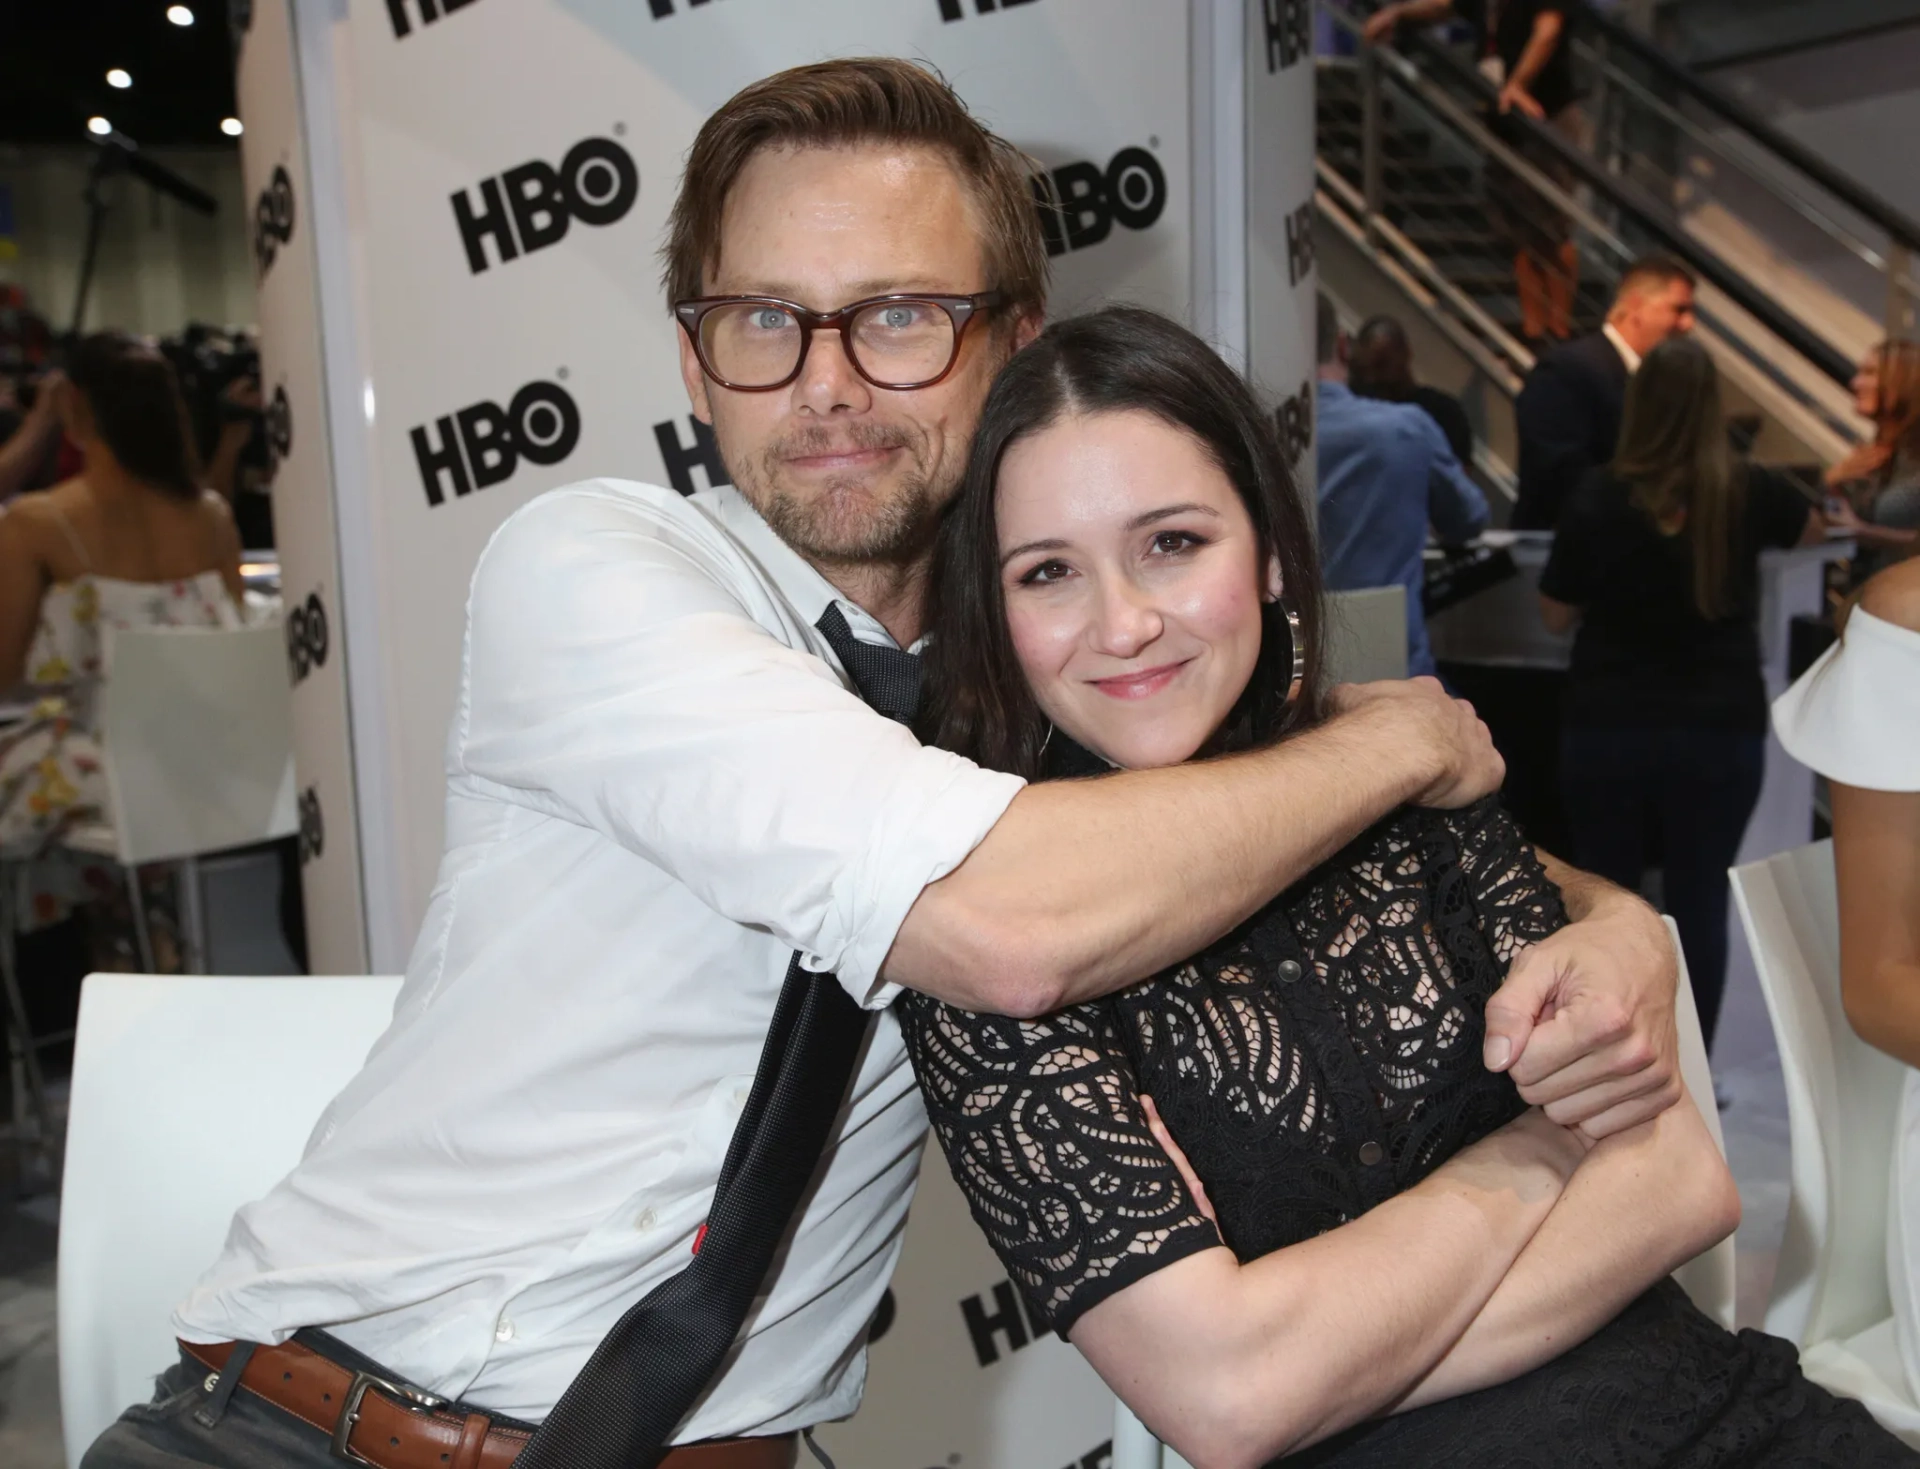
[1042, 1126]
[1516, 903]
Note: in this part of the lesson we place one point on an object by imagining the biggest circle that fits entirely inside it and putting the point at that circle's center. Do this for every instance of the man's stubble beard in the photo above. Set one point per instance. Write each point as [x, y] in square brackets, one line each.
[843, 523]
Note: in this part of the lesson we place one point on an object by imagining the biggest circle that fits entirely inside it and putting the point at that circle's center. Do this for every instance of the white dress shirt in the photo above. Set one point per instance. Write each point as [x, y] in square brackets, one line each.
[658, 787]
[1620, 345]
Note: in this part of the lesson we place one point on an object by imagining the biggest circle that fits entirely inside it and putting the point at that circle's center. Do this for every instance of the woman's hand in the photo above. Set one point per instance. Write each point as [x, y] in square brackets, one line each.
[1858, 463]
[1187, 1175]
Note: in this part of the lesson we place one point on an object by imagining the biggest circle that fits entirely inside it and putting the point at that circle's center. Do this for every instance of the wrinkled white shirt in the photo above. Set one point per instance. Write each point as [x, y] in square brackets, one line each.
[658, 787]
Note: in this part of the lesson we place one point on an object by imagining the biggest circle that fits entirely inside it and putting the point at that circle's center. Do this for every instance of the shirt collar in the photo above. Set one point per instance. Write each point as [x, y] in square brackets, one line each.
[1627, 354]
[799, 581]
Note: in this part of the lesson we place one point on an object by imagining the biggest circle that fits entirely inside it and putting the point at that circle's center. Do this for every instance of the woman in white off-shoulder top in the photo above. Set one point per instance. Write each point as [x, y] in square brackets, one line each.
[1855, 717]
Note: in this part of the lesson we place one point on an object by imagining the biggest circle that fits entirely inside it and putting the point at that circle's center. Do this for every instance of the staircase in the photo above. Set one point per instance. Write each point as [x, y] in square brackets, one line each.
[1437, 197]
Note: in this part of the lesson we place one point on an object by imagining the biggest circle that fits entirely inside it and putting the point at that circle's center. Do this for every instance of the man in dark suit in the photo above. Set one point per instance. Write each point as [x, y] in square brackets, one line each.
[1568, 413]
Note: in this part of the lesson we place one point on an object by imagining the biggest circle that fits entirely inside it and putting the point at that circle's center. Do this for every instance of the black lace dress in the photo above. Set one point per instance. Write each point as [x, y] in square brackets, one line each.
[1314, 1062]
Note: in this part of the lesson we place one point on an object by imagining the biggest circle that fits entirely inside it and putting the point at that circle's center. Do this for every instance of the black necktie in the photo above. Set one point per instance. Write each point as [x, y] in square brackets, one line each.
[888, 679]
[648, 1372]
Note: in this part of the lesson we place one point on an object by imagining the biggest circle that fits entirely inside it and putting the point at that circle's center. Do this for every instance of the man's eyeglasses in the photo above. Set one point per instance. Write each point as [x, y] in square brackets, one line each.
[754, 344]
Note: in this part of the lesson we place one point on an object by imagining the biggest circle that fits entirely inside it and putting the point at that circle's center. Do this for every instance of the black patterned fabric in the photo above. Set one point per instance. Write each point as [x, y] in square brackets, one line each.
[1318, 1060]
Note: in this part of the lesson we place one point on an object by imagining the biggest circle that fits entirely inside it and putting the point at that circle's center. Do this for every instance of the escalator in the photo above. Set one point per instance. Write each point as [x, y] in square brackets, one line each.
[1423, 195]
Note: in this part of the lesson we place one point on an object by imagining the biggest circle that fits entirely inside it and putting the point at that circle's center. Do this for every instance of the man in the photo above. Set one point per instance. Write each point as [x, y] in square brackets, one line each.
[1386, 475]
[1527, 52]
[1380, 365]
[1568, 413]
[661, 794]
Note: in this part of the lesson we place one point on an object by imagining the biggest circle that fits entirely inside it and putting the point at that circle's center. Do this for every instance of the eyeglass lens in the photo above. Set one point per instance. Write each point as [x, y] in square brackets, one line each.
[758, 344]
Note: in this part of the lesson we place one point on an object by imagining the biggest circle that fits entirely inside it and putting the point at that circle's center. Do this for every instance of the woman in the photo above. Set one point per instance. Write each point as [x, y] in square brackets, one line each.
[1402, 1234]
[133, 541]
[1853, 717]
[1657, 560]
[1875, 490]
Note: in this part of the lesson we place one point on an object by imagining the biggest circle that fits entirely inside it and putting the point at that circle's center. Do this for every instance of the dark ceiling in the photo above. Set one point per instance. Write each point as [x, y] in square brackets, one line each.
[55, 54]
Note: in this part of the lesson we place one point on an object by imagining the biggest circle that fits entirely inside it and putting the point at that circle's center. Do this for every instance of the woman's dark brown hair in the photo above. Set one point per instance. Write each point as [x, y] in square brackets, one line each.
[138, 412]
[1674, 459]
[1121, 360]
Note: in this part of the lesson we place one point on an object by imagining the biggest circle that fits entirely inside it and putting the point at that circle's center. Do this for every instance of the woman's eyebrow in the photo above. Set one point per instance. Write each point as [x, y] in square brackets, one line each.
[1054, 545]
[1168, 511]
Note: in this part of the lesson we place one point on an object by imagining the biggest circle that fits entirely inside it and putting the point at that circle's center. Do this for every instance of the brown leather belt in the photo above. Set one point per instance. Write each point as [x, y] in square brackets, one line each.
[372, 1420]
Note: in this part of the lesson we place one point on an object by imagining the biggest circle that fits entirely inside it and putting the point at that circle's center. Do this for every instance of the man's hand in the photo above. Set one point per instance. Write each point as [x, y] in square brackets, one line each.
[1513, 97]
[1430, 720]
[1585, 1020]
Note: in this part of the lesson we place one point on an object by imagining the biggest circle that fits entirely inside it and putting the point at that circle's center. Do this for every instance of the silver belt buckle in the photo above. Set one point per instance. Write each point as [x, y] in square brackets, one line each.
[410, 1398]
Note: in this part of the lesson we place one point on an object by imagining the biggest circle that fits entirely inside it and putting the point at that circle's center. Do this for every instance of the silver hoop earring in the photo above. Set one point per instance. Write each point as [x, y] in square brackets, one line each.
[1048, 738]
[1298, 678]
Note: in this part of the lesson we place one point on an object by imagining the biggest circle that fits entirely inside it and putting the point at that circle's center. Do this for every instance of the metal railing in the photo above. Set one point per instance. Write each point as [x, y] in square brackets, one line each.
[1794, 174]
[1612, 215]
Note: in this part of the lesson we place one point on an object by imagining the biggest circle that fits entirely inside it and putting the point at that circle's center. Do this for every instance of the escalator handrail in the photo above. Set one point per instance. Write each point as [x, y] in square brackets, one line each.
[1847, 189]
[1650, 216]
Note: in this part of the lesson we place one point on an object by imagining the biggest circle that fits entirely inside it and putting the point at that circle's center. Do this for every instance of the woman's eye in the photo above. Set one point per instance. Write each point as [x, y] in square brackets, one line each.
[1172, 542]
[1044, 574]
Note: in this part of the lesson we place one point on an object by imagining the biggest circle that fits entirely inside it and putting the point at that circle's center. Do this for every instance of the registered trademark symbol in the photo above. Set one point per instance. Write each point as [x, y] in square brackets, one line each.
[1153, 142]
[619, 129]
[561, 373]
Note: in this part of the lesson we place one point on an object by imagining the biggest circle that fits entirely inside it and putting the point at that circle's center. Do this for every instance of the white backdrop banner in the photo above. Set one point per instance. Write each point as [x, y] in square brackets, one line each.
[273, 155]
[1281, 277]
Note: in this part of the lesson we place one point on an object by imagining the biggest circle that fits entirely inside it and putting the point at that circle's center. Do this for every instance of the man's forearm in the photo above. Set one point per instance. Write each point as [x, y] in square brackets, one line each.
[1586, 894]
[1641, 1204]
[1084, 887]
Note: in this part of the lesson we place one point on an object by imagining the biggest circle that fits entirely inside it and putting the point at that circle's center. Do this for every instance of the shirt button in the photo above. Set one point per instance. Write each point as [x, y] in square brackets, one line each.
[1289, 971]
[645, 1221]
[503, 1331]
[1371, 1153]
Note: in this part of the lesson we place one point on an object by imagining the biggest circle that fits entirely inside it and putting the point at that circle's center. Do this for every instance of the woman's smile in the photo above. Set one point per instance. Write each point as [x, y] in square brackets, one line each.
[1141, 684]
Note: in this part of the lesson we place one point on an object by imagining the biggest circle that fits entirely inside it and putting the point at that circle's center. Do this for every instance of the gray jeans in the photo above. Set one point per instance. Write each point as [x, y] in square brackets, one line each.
[166, 1434]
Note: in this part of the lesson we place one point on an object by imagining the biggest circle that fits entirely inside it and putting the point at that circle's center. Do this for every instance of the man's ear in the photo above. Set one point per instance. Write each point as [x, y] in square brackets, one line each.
[1026, 327]
[695, 379]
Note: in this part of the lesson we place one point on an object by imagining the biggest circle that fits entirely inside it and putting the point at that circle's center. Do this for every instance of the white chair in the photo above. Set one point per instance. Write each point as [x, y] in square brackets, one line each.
[1708, 1280]
[197, 731]
[1830, 1294]
[1367, 634]
[191, 1096]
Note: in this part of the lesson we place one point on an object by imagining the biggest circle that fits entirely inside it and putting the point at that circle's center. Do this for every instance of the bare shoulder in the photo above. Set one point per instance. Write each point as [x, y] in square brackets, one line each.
[1894, 595]
[33, 518]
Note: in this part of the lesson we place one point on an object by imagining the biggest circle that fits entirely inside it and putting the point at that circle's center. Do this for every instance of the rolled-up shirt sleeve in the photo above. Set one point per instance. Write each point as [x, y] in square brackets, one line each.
[638, 693]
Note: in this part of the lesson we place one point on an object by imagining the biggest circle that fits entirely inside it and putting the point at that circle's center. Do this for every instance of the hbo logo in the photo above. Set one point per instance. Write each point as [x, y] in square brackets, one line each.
[272, 218]
[1080, 203]
[483, 443]
[529, 208]
[307, 637]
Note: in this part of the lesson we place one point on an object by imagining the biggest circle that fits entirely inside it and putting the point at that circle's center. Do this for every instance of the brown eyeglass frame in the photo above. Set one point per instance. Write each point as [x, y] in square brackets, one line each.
[961, 311]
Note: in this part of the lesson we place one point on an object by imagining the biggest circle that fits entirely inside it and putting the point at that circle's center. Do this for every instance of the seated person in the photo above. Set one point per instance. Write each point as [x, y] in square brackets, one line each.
[1127, 581]
[134, 540]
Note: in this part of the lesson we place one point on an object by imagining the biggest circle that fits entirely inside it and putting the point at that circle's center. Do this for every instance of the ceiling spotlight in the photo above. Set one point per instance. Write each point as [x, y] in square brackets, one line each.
[180, 15]
[232, 126]
[99, 126]
[120, 77]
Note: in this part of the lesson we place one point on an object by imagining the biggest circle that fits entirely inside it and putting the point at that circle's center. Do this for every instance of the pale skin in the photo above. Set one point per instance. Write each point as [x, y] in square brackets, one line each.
[1876, 858]
[131, 531]
[1082, 888]
[1133, 584]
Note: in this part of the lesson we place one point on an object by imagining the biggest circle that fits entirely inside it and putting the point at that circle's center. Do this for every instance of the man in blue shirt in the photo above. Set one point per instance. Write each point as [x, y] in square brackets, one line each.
[1386, 474]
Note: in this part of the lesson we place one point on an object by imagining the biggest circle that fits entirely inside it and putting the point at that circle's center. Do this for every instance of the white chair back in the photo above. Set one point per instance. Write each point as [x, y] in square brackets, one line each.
[1708, 1279]
[1367, 634]
[1843, 1101]
[197, 727]
[191, 1096]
